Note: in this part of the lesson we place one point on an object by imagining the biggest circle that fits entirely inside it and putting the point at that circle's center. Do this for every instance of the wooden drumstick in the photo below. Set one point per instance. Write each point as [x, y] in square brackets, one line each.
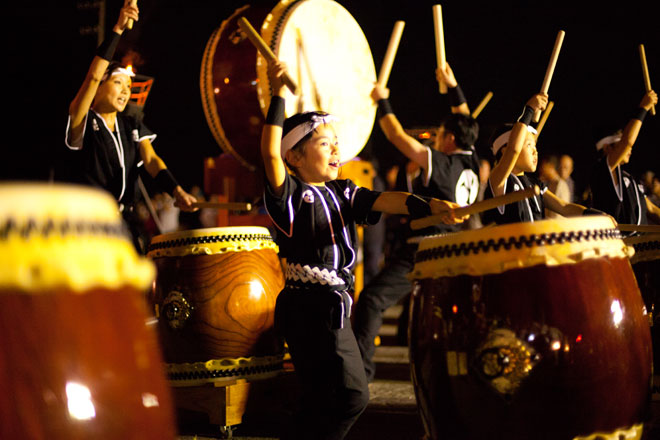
[645, 71]
[392, 47]
[544, 118]
[482, 104]
[638, 228]
[551, 68]
[478, 207]
[231, 206]
[129, 24]
[263, 48]
[439, 43]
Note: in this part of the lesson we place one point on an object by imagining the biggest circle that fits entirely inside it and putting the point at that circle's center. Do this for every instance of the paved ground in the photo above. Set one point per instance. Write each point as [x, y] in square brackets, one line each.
[391, 414]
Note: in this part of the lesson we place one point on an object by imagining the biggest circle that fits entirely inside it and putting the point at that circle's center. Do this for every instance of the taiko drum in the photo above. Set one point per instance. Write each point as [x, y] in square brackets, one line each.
[79, 356]
[530, 330]
[326, 54]
[214, 296]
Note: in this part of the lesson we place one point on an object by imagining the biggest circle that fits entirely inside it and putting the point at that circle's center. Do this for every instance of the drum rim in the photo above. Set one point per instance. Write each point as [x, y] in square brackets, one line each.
[207, 241]
[458, 253]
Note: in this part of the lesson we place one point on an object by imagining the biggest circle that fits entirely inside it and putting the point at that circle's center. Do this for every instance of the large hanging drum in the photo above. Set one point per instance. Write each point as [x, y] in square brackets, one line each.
[79, 358]
[530, 330]
[214, 297]
[327, 55]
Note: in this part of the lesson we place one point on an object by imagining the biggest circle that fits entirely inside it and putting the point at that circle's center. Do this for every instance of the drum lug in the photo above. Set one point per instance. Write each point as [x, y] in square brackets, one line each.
[176, 310]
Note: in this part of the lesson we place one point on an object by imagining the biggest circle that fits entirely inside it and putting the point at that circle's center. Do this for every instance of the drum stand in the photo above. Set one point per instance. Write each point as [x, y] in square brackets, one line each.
[224, 403]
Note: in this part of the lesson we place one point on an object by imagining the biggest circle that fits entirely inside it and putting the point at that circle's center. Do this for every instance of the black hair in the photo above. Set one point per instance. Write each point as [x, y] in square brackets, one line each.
[464, 128]
[114, 65]
[497, 133]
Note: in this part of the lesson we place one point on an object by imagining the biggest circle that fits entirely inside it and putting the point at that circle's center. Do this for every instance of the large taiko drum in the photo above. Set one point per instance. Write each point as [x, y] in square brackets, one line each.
[646, 265]
[530, 331]
[79, 356]
[214, 297]
[327, 55]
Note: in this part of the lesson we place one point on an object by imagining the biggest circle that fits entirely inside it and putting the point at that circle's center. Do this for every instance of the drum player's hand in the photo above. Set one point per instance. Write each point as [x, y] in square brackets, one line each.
[538, 102]
[649, 100]
[445, 210]
[379, 92]
[128, 11]
[446, 76]
[183, 200]
[276, 71]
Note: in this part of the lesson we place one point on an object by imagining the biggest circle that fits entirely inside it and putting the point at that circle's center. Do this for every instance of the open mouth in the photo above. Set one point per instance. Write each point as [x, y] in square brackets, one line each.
[334, 164]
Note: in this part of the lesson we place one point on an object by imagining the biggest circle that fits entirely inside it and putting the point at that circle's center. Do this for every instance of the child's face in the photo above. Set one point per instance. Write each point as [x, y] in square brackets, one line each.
[528, 159]
[113, 94]
[320, 161]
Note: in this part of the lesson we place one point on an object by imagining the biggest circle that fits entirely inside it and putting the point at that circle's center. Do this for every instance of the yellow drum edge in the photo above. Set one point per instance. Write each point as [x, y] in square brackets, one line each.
[65, 236]
[632, 433]
[497, 249]
[646, 246]
[208, 241]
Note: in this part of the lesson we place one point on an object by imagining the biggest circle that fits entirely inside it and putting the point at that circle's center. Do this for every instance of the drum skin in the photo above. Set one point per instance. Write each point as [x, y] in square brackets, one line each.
[557, 351]
[79, 358]
[229, 296]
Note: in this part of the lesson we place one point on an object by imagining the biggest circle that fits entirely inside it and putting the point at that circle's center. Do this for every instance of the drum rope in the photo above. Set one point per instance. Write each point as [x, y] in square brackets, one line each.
[188, 241]
[517, 242]
[32, 227]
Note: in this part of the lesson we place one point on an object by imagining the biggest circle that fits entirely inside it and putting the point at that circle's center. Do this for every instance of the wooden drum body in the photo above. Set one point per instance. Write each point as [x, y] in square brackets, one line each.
[79, 356]
[214, 296]
[530, 330]
[327, 55]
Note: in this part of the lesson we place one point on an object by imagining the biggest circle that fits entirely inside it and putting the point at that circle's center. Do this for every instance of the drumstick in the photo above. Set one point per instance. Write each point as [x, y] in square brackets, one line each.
[263, 48]
[439, 43]
[544, 117]
[645, 71]
[482, 104]
[228, 206]
[638, 228]
[551, 68]
[392, 47]
[478, 207]
[129, 24]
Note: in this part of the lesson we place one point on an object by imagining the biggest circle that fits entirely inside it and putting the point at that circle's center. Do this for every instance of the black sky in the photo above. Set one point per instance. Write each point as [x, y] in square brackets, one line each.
[498, 46]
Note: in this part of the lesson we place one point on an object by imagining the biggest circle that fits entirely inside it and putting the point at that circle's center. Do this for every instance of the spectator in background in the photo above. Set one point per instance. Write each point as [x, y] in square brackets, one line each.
[550, 176]
[565, 170]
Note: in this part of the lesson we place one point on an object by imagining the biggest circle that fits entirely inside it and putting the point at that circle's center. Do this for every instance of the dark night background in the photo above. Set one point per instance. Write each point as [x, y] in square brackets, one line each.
[498, 46]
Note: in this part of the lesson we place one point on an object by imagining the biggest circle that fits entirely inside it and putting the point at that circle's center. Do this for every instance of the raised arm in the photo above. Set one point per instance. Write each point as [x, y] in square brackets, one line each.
[622, 148]
[83, 100]
[517, 139]
[394, 132]
[271, 134]
[457, 100]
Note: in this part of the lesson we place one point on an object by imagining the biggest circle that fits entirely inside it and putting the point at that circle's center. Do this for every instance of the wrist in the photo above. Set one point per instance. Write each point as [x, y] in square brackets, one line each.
[107, 49]
[527, 115]
[384, 107]
[456, 96]
[275, 114]
[640, 113]
[166, 181]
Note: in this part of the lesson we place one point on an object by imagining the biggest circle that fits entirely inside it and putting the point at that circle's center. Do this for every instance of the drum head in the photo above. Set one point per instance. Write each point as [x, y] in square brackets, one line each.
[329, 58]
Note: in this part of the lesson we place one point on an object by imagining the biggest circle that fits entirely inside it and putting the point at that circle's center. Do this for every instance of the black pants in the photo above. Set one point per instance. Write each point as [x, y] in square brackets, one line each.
[383, 291]
[327, 362]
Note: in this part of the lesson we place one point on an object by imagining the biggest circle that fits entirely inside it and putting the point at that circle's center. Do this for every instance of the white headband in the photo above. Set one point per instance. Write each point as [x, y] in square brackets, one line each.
[300, 131]
[607, 140]
[503, 139]
[118, 71]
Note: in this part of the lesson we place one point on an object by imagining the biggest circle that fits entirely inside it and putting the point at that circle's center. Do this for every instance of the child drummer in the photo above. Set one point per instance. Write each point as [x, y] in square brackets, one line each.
[315, 217]
[514, 148]
[613, 189]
